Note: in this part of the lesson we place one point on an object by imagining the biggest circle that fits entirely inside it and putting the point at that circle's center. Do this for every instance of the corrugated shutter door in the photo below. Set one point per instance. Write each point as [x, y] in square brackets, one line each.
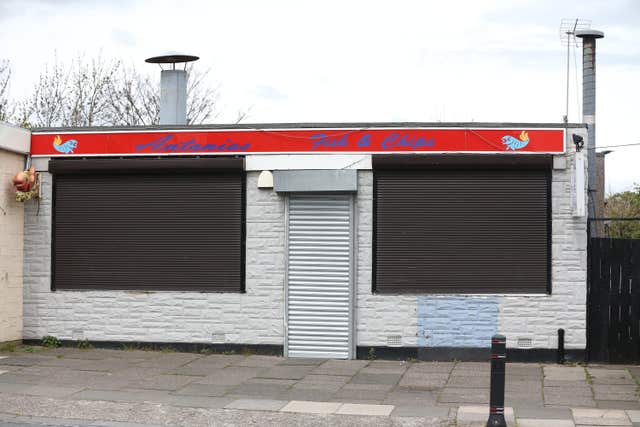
[149, 231]
[319, 276]
[462, 231]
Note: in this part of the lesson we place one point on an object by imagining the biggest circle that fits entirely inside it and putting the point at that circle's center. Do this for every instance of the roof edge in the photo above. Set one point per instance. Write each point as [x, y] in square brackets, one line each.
[14, 139]
[322, 125]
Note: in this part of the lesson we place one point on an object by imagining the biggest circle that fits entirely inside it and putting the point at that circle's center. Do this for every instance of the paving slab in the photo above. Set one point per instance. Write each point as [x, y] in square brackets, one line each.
[198, 401]
[257, 361]
[386, 367]
[473, 366]
[15, 377]
[567, 399]
[353, 395]
[469, 382]
[134, 373]
[328, 387]
[600, 417]
[162, 382]
[547, 413]
[311, 407]
[622, 397]
[193, 370]
[424, 381]
[435, 367]
[617, 404]
[210, 390]
[361, 378]
[257, 404]
[333, 379]
[222, 359]
[229, 376]
[410, 398]
[634, 416]
[24, 360]
[524, 400]
[87, 354]
[53, 392]
[568, 391]
[259, 391]
[362, 409]
[421, 411]
[523, 370]
[470, 373]
[475, 413]
[566, 384]
[308, 395]
[549, 422]
[292, 372]
[610, 376]
[564, 373]
[464, 395]
[293, 361]
[13, 388]
[155, 396]
[341, 367]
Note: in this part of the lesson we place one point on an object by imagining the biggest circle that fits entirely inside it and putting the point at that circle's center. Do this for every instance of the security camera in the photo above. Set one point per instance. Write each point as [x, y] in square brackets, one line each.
[578, 140]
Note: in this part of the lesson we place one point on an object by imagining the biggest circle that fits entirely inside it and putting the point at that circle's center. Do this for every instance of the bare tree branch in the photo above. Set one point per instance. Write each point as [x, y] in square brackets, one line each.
[5, 76]
[99, 92]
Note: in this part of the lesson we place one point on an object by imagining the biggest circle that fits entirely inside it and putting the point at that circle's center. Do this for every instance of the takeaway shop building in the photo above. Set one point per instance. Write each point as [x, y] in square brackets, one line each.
[311, 240]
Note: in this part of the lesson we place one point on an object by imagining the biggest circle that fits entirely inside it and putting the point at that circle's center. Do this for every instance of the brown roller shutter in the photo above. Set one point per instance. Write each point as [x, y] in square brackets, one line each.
[462, 231]
[151, 229]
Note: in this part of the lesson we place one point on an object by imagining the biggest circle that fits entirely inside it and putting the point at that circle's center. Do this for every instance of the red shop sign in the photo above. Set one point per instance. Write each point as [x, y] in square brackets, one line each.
[292, 141]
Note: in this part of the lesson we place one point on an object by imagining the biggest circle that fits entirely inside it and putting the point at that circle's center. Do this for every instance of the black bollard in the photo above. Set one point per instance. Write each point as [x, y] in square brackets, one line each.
[496, 401]
[561, 346]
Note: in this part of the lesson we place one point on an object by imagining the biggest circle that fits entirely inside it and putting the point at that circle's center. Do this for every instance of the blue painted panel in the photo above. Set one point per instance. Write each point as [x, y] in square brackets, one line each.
[456, 321]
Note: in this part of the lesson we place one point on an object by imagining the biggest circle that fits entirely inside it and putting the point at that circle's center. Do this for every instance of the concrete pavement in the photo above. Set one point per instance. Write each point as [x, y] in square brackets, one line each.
[431, 393]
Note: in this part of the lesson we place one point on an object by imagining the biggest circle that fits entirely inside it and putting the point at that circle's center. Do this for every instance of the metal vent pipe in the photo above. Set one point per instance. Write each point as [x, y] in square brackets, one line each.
[173, 87]
[589, 110]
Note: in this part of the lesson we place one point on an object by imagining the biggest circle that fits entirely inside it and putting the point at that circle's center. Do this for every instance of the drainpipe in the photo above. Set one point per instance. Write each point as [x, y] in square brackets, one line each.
[589, 111]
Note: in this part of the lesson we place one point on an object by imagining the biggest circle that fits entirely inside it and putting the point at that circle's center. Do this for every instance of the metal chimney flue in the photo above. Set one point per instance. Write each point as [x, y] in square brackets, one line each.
[589, 37]
[173, 87]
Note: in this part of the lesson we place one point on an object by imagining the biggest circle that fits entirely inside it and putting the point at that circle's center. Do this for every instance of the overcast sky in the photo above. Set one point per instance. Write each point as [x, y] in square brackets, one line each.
[295, 61]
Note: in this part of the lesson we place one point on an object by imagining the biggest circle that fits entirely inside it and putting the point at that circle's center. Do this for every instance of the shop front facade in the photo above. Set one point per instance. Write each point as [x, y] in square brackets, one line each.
[336, 241]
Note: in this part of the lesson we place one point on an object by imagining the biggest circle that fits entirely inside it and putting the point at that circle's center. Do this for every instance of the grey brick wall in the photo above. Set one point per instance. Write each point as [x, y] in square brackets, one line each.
[255, 317]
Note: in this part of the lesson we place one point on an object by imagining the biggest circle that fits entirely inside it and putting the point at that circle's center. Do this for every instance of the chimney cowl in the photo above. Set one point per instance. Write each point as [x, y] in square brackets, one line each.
[171, 58]
[589, 34]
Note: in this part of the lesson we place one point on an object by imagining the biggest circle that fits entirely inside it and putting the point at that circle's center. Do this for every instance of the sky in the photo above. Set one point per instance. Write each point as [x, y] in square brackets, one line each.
[348, 61]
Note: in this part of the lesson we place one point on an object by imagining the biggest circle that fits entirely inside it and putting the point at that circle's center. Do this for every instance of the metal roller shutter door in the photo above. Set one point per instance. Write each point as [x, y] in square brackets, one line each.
[462, 231]
[149, 231]
[319, 276]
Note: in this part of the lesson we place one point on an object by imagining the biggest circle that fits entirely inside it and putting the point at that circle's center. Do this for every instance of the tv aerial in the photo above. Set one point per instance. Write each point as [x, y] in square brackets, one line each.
[568, 29]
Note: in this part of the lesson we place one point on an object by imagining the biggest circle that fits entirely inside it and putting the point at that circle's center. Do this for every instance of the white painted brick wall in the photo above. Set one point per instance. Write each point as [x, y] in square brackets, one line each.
[11, 241]
[534, 317]
[255, 317]
[540, 317]
[378, 316]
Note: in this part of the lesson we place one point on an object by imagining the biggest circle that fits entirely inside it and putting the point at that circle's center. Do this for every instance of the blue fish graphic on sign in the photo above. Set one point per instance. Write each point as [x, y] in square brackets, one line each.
[64, 147]
[515, 143]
